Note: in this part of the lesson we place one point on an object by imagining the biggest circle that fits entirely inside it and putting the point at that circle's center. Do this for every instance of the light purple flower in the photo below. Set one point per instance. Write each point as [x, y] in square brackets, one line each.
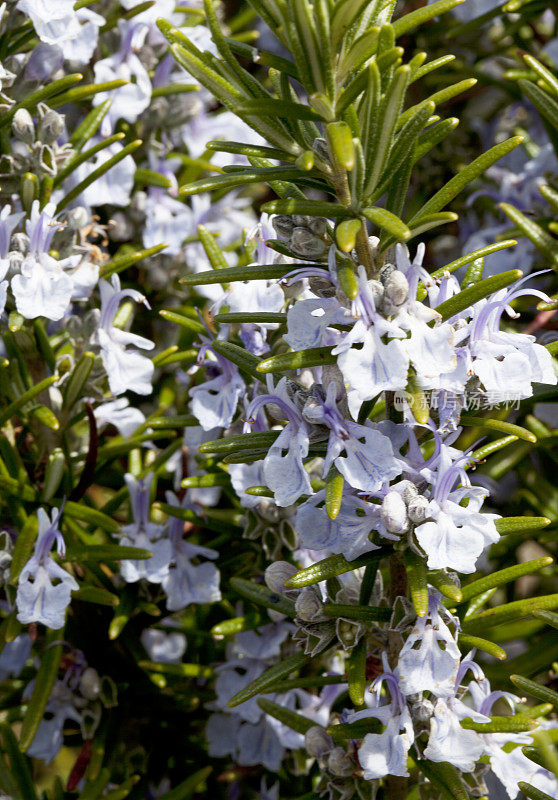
[433, 665]
[186, 582]
[44, 588]
[162, 647]
[283, 467]
[454, 536]
[54, 23]
[127, 370]
[130, 100]
[144, 534]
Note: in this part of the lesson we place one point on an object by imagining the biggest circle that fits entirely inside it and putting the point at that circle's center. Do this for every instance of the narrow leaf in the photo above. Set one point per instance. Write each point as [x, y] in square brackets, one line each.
[503, 576]
[478, 291]
[330, 567]
[294, 721]
[466, 176]
[262, 596]
[298, 359]
[42, 688]
[275, 673]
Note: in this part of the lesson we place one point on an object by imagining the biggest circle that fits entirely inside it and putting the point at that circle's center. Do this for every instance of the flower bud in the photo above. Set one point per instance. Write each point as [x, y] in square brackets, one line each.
[377, 290]
[283, 225]
[339, 763]
[90, 683]
[47, 162]
[407, 490]
[301, 221]
[6, 549]
[318, 225]
[78, 218]
[317, 742]
[422, 710]
[23, 127]
[51, 127]
[15, 260]
[386, 271]
[348, 632]
[394, 513]
[418, 509]
[307, 244]
[322, 287]
[309, 606]
[276, 575]
[397, 288]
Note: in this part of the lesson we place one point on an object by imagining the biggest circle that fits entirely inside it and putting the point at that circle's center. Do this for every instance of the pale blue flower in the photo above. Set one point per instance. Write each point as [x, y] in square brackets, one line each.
[125, 418]
[113, 188]
[162, 647]
[448, 741]
[454, 536]
[245, 732]
[144, 534]
[126, 369]
[283, 466]
[44, 588]
[8, 222]
[386, 753]
[429, 659]
[507, 363]
[349, 533]
[54, 23]
[214, 401]
[130, 100]
[186, 582]
[14, 655]
[361, 453]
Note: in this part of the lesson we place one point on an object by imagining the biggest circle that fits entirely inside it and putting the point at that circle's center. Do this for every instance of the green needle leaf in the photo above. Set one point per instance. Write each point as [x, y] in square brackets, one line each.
[42, 688]
[276, 673]
[239, 274]
[515, 524]
[299, 359]
[13, 408]
[291, 719]
[516, 724]
[262, 596]
[482, 644]
[105, 552]
[467, 174]
[358, 613]
[502, 577]
[519, 609]
[356, 673]
[330, 567]
[416, 576]
[387, 221]
[535, 690]
[540, 238]
[18, 766]
[418, 17]
[478, 291]
[499, 425]
[345, 731]
[334, 492]
[532, 793]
